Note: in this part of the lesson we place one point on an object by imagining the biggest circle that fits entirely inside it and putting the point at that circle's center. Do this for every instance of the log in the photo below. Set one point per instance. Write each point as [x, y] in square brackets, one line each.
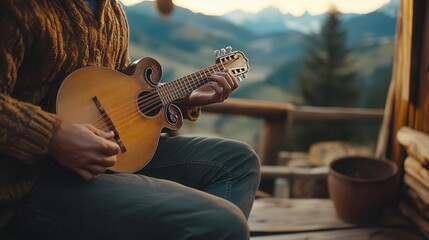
[421, 207]
[416, 143]
[420, 189]
[414, 168]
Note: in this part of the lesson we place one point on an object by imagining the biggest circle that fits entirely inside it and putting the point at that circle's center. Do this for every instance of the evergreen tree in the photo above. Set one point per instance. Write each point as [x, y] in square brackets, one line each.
[328, 78]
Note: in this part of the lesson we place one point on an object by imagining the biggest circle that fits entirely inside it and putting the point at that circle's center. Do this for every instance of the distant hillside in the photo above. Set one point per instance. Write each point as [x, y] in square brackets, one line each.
[185, 41]
[370, 27]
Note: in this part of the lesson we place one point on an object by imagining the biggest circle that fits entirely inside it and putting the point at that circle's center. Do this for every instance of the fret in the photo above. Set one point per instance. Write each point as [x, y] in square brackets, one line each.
[178, 88]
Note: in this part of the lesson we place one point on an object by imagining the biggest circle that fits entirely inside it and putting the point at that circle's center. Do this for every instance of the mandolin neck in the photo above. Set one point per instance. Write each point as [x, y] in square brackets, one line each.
[181, 87]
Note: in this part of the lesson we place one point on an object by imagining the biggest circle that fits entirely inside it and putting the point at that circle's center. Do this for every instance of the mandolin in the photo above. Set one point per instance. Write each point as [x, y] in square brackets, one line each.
[135, 107]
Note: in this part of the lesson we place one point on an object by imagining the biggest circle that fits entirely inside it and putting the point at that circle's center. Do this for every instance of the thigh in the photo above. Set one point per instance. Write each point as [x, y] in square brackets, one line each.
[226, 168]
[118, 206]
[192, 160]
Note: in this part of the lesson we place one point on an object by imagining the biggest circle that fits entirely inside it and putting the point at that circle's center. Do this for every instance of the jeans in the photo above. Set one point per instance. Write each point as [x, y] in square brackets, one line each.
[193, 188]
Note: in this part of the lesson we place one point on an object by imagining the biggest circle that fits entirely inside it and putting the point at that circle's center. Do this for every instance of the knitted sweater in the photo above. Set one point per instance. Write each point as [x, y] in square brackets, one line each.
[41, 42]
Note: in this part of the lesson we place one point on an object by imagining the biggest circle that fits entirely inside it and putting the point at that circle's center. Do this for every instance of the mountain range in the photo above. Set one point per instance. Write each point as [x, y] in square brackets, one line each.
[271, 19]
[273, 41]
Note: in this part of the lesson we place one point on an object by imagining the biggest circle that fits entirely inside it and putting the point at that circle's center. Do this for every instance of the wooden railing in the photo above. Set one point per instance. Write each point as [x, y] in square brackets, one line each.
[279, 117]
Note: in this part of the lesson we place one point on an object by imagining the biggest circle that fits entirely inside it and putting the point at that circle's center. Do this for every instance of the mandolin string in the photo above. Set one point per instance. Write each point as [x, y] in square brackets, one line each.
[118, 111]
[153, 99]
[153, 103]
[152, 96]
[167, 91]
[135, 115]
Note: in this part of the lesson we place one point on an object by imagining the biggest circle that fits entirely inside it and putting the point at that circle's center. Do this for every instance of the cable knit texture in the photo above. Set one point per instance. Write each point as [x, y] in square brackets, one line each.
[42, 42]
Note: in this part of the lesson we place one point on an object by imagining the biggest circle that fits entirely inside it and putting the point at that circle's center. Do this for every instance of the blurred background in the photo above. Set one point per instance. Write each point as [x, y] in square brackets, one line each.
[314, 53]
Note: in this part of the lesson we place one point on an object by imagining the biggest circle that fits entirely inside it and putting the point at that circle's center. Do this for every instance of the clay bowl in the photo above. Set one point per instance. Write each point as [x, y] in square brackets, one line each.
[361, 187]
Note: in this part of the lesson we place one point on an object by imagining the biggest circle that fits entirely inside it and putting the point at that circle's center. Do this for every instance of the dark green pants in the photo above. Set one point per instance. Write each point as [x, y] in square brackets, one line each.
[194, 188]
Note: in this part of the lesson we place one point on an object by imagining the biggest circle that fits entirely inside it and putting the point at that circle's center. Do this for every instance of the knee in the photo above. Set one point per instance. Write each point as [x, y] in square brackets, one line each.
[247, 159]
[227, 223]
[241, 150]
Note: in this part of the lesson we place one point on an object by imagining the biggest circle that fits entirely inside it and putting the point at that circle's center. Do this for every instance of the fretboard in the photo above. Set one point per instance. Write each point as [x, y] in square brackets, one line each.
[181, 87]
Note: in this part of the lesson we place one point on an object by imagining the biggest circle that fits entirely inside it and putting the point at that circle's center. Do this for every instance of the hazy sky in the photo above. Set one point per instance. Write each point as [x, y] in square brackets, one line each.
[296, 7]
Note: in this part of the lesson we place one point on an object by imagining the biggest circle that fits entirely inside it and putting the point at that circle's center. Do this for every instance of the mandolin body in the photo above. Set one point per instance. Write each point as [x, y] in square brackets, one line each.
[109, 100]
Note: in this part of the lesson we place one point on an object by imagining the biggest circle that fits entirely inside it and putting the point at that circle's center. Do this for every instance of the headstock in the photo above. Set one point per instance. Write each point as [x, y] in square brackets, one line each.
[235, 61]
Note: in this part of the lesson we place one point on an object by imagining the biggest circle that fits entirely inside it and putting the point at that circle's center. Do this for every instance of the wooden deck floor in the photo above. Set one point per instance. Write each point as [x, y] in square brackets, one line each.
[315, 219]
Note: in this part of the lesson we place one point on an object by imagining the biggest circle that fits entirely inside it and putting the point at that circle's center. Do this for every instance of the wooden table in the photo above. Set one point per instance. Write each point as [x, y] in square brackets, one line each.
[315, 219]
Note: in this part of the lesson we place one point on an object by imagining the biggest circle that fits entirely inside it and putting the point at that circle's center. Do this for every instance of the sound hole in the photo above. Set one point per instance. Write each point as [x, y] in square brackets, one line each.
[149, 103]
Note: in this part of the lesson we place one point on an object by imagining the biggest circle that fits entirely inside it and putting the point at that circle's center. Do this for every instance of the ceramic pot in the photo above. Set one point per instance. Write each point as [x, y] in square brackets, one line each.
[361, 187]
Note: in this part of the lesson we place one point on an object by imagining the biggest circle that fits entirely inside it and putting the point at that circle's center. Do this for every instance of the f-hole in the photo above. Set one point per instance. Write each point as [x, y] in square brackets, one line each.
[148, 76]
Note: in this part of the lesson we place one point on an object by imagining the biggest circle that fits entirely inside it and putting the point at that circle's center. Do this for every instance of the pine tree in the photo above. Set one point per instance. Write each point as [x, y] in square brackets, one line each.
[328, 78]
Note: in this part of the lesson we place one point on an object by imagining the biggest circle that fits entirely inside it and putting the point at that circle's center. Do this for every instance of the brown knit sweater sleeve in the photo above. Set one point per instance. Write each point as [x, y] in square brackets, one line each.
[25, 130]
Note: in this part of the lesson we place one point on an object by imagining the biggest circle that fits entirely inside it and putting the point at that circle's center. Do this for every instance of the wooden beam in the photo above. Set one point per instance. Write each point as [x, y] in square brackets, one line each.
[307, 113]
[250, 108]
[291, 172]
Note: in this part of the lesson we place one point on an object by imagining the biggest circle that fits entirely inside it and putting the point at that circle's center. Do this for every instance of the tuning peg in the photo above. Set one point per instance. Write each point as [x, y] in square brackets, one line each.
[229, 49]
[217, 53]
[244, 75]
[239, 78]
[223, 51]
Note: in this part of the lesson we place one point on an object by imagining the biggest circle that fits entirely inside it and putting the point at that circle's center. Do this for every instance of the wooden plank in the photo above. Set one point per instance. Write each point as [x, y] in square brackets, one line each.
[421, 68]
[401, 75]
[273, 135]
[383, 134]
[291, 172]
[420, 189]
[350, 234]
[311, 113]
[411, 213]
[417, 202]
[415, 170]
[298, 215]
[250, 108]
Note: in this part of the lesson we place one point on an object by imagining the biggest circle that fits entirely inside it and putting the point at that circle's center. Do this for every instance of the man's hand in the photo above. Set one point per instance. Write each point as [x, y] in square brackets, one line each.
[84, 149]
[217, 90]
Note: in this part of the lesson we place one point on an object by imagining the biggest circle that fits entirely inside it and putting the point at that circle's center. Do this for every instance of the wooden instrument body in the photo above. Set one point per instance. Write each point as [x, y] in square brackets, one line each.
[118, 95]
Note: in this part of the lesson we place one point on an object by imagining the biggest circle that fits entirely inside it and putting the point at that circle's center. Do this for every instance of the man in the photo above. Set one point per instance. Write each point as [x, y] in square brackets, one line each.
[53, 183]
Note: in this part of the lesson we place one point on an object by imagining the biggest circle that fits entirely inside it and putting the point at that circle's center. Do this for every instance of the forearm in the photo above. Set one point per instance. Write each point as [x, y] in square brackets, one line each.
[25, 129]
